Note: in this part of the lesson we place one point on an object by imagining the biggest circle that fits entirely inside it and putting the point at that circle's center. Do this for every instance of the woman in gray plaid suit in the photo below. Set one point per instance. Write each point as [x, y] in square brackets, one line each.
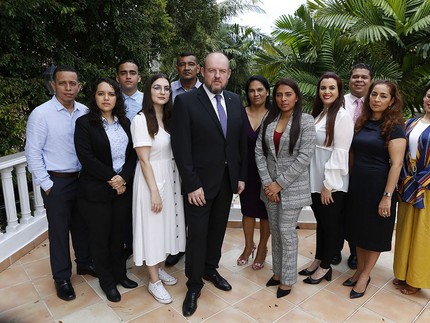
[283, 153]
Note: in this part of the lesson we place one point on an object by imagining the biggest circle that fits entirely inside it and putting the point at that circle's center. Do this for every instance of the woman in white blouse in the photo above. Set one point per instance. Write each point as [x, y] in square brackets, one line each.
[329, 172]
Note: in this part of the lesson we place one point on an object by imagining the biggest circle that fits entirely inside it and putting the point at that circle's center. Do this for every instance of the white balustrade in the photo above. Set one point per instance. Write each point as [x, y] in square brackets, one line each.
[23, 231]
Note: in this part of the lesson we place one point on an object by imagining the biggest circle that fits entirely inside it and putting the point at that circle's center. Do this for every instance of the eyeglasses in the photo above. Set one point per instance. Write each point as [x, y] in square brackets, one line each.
[160, 89]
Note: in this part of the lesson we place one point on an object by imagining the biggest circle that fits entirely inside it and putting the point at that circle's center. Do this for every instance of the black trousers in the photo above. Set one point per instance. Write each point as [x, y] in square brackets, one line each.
[329, 222]
[206, 229]
[106, 224]
[64, 217]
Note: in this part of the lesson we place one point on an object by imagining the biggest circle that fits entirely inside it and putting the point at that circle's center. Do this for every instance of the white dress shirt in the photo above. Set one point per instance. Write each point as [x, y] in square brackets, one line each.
[329, 165]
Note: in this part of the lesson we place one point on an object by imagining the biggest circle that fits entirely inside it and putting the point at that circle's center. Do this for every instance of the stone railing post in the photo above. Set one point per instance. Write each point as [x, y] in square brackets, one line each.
[9, 199]
[24, 200]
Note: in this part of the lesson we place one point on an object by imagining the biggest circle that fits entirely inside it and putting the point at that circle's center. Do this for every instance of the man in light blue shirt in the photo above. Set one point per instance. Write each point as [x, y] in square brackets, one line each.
[128, 78]
[51, 158]
[187, 67]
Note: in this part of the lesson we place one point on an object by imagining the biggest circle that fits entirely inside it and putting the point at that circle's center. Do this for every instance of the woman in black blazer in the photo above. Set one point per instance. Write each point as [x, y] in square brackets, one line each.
[105, 149]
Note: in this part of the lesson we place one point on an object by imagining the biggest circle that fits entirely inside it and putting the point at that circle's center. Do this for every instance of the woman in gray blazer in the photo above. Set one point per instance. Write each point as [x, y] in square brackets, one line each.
[283, 153]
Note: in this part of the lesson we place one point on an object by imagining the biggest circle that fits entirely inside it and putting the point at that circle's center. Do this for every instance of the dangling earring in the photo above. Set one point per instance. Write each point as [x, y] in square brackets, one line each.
[389, 107]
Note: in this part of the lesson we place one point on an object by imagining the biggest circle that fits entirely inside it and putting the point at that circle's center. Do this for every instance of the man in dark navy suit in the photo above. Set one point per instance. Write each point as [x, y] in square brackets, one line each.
[209, 144]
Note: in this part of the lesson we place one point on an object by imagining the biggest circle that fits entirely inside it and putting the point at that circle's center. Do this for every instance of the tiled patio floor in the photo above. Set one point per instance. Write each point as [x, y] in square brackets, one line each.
[27, 294]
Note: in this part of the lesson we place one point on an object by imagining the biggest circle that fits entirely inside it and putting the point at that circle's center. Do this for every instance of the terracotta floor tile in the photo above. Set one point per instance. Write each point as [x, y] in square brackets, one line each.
[229, 260]
[231, 315]
[38, 268]
[208, 304]
[141, 272]
[424, 317]
[260, 277]
[321, 305]
[17, 295]
[263, 306]
[421, 297]
[97, 313]
[380, 275]
[13, 276]
[307, 248]
[40, 252]
[163, 314]
[27, 293]
[394, 307]
[303, 233]
[228, 245]
[180, 288]
[365, 315]
[135, 303]
[85, 296]
[298, 315]
[32, 312]
[241, 288]
[386, 259]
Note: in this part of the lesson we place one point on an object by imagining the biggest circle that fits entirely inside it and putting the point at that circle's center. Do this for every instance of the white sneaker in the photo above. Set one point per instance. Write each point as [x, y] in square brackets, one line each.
[166, 278]
[159, 292]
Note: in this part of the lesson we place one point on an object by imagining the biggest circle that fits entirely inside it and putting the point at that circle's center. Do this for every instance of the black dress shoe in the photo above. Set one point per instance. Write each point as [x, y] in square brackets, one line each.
[354, 294]
[282, 292]
[65, 290]
[352, 262]
[349, 283]
[90, 270]
[113, 295]
[190, 303]
[127, 283]
[312, 281]
[306, 272]
[273, 282]
[218, 281]
[336, 259]
[172, 260]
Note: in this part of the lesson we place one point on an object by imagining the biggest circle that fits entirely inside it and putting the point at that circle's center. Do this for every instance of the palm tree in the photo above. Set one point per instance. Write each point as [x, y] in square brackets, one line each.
[395, 29]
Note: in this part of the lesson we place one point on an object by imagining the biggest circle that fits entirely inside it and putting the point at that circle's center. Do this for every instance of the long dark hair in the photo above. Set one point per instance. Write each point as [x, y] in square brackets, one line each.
[263, 81]
[274, 111]
[118, 110]
[332, 110]
[391, 117]
[148, 107]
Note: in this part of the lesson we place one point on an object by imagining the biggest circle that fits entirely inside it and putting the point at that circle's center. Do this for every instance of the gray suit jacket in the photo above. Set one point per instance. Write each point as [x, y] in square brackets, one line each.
[291, 172]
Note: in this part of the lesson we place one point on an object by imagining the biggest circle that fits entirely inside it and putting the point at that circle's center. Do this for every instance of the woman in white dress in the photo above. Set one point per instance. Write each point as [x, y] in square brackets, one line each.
[158, 212]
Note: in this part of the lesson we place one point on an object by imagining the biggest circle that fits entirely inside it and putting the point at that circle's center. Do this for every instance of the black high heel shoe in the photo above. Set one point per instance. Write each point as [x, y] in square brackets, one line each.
[312, 281]
[354, 294]
[273, 282]
[282, 292]
[349, 283]
[306, 272]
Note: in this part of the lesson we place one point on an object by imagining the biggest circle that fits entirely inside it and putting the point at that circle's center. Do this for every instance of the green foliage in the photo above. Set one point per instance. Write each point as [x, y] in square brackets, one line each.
[333, 35]
[17, 98]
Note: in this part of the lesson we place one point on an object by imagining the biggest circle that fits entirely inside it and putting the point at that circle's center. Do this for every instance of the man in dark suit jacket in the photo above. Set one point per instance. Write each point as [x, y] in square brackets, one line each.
[209, 144]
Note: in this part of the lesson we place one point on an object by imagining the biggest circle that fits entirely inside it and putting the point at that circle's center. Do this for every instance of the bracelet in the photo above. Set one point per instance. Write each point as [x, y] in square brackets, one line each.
[387, 194]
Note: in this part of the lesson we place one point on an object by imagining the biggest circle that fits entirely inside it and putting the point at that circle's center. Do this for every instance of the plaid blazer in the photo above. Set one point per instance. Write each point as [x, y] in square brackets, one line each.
[290, 171]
